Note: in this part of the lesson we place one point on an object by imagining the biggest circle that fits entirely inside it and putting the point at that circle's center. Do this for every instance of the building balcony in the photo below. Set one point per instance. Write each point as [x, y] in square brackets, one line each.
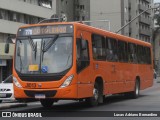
[144, 20]
[145, 32]
[143, 8]
[26, 8]
[9, 27]
[3, 55]
[149, 1]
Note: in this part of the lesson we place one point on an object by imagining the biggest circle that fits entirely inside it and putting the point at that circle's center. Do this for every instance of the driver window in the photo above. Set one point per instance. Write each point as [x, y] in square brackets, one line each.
[82, 54]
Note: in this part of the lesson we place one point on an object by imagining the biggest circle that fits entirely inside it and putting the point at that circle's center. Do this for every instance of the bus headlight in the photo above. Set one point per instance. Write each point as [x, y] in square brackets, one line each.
[16, 82]
[67, 81]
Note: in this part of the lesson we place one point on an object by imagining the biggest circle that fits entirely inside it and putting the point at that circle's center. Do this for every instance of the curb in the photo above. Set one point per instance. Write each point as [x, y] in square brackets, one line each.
[13, 106]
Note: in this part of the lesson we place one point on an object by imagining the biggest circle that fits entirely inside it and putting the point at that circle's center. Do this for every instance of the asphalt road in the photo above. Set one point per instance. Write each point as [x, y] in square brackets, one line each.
[149, 100]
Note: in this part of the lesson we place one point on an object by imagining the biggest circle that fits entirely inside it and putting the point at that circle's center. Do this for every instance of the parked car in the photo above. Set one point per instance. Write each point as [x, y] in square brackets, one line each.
[6, 89]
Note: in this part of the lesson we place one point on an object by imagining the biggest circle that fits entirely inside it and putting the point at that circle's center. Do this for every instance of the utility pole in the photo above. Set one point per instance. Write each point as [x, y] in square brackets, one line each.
[135, 18]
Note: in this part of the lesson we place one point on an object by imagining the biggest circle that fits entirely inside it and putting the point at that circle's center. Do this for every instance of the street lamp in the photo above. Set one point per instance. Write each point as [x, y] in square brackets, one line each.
[136, 18]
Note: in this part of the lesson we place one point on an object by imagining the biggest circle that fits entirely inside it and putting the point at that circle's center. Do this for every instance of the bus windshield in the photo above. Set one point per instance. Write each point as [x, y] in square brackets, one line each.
[43, 55]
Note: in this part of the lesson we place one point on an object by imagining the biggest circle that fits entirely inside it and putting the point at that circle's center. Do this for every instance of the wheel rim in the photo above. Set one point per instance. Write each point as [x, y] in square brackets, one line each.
[95, 94]
[137, 89]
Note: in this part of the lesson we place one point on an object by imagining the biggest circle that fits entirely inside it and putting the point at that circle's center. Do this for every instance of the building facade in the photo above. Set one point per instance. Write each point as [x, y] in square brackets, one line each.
[156, 36]
[118, 13]
[13, 14]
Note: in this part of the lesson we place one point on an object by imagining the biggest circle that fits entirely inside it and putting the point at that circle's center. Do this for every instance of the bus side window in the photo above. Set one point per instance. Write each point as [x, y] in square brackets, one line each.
[111, 49]
[82, 54]
[132, 53]
[98, 47]
[148, 55]
[139, 54]
[122, 51]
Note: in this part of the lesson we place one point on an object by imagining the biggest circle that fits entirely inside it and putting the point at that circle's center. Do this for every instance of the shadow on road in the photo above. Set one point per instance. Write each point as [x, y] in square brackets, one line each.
[82, 106]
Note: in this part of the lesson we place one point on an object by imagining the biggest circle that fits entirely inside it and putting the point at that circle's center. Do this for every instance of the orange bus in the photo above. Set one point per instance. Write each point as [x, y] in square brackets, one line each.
[74, 61]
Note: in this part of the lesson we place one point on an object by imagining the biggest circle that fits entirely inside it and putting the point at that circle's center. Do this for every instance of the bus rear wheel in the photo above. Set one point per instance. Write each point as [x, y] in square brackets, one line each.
[0, 101]
[47, 103]
[134, 94]
[94, 100]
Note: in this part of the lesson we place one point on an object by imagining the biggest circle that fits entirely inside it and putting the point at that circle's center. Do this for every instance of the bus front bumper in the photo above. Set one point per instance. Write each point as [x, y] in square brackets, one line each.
[69, 92]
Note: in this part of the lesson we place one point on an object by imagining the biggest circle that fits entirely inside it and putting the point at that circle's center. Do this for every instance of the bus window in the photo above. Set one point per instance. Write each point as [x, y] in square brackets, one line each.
[122, 51]
[82, 54]
[132, 57]
[139, 54]
[142, 54]
[148, 55]
[98, 45]
[111, 49]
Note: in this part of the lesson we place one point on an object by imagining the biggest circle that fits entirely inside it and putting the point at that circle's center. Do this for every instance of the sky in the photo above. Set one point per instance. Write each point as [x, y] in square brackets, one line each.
[157, 1]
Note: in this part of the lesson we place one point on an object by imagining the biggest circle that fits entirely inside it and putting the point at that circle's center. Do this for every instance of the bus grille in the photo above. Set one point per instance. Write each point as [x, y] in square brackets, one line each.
[50, 93]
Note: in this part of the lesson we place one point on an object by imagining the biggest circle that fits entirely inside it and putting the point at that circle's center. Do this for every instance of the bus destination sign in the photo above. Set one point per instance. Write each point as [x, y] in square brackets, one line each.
[45, 30]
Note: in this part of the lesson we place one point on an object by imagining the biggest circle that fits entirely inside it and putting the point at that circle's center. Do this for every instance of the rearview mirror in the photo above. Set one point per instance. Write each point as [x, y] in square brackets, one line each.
[7, 48]
[9, 39]
[18, 51]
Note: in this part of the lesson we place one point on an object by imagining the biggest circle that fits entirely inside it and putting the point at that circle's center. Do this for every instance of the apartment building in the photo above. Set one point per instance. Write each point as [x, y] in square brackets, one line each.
[13, 14]
[118, 13]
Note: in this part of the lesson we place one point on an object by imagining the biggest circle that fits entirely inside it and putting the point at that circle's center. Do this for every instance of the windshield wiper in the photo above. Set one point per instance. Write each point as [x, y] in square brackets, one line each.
[49, 44]
[19, 55]
[33, 46]
[45, 47]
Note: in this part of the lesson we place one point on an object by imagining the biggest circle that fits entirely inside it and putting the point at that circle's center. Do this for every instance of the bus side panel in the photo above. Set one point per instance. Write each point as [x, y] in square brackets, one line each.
[125, 79]
[146, 76]
[85, 90]
[109, 78]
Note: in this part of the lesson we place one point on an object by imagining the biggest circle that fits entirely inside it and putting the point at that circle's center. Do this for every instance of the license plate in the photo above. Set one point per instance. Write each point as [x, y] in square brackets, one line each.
[40, 96]
[2, 95]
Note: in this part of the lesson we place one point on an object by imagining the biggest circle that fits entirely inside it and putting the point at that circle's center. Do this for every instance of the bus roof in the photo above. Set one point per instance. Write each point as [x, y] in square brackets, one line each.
[95, 30]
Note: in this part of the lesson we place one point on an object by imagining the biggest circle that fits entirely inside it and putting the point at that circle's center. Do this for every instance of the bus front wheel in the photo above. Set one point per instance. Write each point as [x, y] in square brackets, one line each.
[94, 100]
[47, 103]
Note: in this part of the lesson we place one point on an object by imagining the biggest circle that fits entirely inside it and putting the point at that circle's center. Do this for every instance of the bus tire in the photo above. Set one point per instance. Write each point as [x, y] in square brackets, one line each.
[135, 93]
[0, 101]
[94, 100]
[47, 103]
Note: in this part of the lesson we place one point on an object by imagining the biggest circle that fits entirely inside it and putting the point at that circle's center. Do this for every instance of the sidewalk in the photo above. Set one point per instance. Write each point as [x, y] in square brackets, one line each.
[11, 105]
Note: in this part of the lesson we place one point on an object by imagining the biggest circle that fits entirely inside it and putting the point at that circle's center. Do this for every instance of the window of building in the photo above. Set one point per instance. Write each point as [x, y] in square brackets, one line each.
[83, 18]
[45, 3]
[2, 14]
[81, 7]
[125, 9]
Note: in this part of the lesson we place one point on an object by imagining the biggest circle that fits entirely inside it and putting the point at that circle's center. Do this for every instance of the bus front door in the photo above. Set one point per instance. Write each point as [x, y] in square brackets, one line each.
[84, 69]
